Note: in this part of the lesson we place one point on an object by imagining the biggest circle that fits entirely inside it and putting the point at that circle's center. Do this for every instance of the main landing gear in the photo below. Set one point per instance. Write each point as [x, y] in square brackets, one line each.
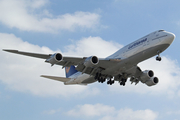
[123, 81]
[158, 58]
[122, 78]
[101, 79]
[110, 82]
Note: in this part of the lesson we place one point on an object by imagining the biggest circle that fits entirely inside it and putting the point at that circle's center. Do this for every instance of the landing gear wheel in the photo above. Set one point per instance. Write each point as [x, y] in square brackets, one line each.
[104, 79]
[158, 58]
[101, 79]
[123, 82]
[110, 82]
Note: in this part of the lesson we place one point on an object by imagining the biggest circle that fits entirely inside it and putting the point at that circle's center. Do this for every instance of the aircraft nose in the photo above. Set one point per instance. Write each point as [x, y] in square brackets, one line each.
[170, 38]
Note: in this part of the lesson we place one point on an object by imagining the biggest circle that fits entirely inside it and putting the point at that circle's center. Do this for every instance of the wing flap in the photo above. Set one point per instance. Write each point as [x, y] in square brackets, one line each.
[62, 79]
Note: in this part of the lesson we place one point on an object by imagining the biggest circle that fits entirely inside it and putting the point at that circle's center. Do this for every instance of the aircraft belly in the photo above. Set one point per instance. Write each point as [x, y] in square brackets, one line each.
[119, 68]
[81, 78]
[148, 53]
[89, 80]
[127, 64]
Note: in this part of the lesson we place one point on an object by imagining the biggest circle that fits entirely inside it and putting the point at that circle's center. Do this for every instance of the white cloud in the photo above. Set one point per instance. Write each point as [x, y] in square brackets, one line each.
[22, 14]
[92, 46]
[129, 114]
[52, 112]
[91, 110]
[37, 3]
[105, 112]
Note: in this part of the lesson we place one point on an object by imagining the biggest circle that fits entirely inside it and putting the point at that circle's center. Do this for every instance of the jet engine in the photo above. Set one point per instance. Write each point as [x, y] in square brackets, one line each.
[152, 81]
[55, 58]
[147, 74]
[91, 61]
[148, 78]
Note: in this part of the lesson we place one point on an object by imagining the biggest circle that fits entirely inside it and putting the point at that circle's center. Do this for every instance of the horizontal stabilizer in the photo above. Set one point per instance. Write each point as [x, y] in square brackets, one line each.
[62, 79]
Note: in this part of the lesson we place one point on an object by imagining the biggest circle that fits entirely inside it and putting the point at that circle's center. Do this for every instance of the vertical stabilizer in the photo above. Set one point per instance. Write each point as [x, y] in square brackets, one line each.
[70, 71]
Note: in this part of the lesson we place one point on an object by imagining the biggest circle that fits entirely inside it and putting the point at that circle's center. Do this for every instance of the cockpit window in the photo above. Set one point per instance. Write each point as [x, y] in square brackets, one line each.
[160, 30]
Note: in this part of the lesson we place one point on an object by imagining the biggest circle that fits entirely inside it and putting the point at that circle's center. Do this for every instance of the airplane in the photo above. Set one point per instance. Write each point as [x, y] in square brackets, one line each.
[119, 66]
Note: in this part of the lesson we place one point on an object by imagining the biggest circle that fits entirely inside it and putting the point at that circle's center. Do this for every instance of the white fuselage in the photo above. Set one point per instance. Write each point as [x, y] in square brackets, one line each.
[138, 51]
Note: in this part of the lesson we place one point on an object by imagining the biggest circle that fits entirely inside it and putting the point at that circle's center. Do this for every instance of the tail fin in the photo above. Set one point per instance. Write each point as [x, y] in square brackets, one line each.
[70, 71]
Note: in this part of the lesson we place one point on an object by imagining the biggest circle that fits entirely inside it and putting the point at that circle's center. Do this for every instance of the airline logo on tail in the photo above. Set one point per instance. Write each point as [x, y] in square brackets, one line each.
[67, 69]
[70, 71]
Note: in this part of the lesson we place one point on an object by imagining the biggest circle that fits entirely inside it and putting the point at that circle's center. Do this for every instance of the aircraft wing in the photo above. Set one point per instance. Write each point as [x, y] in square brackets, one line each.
[73, 60]
[68, 61]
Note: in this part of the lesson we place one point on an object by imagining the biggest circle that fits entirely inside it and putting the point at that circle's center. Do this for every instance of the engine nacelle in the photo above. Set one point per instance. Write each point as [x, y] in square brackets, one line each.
[152, 81]
[91, 61]
[147, 74]
[55, 58]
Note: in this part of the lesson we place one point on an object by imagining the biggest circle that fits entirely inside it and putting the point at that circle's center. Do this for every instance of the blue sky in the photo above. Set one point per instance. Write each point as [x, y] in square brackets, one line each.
[85, 28]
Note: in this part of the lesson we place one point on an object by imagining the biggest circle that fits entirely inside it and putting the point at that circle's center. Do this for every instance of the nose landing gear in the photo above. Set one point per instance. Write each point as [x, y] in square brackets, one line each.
[158, 58]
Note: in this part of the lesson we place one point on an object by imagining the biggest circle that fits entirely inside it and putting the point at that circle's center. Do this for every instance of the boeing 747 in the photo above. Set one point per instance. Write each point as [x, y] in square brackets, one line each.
[119, 66]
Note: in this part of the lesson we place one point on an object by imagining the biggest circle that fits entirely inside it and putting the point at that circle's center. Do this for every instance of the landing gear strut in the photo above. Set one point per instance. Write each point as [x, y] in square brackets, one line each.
[100, 78]
[97, 76]
[158, 58]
